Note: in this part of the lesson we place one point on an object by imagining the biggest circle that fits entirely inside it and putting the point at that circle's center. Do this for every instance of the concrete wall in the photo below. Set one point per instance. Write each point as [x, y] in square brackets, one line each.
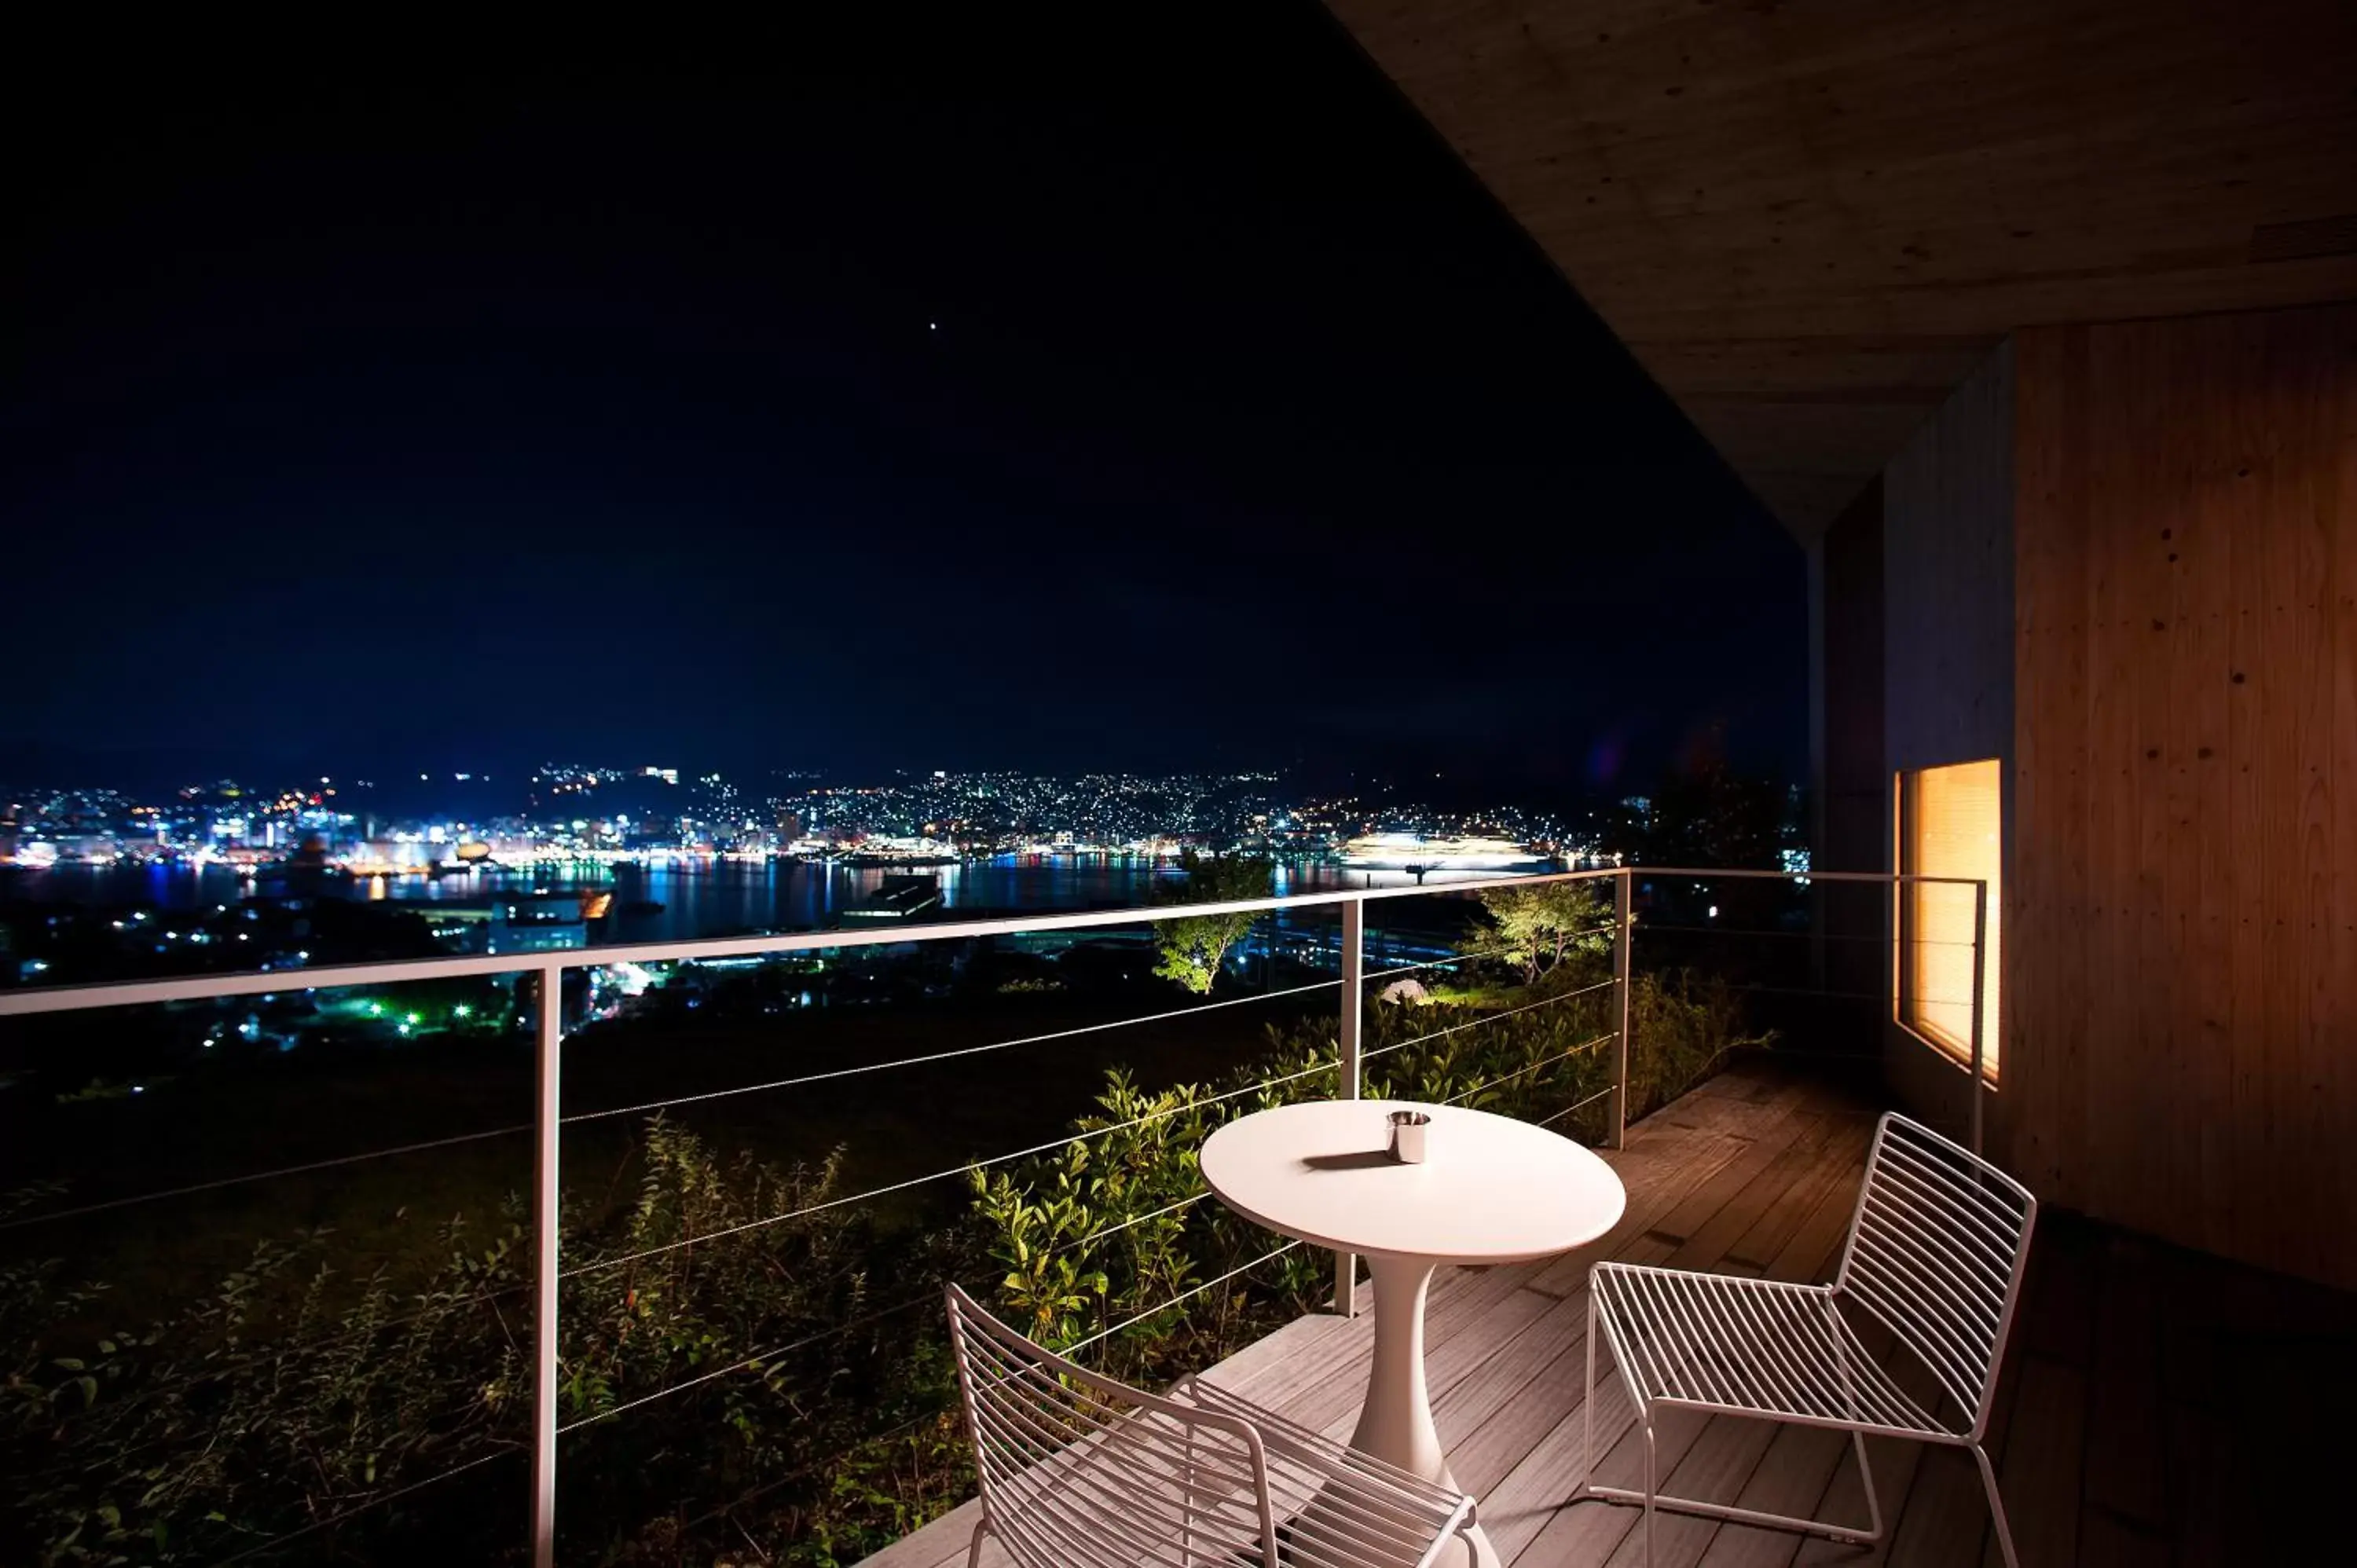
[1948, 660]
[1849, 792]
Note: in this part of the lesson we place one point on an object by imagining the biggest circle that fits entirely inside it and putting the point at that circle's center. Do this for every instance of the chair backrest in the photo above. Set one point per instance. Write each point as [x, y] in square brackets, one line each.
[1078, 1469]
[1935, 1254]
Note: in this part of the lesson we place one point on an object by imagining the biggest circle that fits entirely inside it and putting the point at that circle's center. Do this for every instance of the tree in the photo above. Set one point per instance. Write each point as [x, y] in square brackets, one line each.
[1193, 946]
[1537, 927]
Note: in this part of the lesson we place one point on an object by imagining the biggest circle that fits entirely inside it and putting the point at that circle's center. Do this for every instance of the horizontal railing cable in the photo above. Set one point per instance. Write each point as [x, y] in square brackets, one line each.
[376, 1502]
[313, 1346]
[1530, 1068]
[933, 1295]
[1130, 1223]
[1488, 1018]
[946, 1056]
[1880, 941]
[890, 1188]
[1437, 963]
[1882, 996]
[1650, 927]
[1183, 1296]
[1558, 1116]
[753, 1360]
[195, 1188]
[914, 1422]
[1604, 929]
[431, 1143]
[427, 1145]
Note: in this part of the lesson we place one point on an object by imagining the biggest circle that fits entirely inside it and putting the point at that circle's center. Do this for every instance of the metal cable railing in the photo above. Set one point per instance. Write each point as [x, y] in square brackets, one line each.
[305, 1170]
[654, 1105]
[1436, 963]
[1189, 1295]
[749, 1362]
[948, 1056]
[373, 1503]
[1131, 1223]
[1525, 1071]
[1490, 1018]
[915, 1422]
[1660, 926]
[550, 969]
[312, 1346]
[1575, 1105]
[604, 1264]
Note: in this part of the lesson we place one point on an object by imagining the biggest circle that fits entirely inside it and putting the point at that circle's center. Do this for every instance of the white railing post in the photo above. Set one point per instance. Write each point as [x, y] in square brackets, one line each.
[546, 1127]
[1980, 979]
[1354, 1018]
[1623, 921]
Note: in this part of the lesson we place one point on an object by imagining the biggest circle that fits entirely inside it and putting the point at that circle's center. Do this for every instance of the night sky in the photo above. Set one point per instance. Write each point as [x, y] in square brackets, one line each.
[1029, 394]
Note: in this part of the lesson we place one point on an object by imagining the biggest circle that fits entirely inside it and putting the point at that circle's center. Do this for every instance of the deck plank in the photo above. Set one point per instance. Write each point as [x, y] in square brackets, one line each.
[2120, 1430]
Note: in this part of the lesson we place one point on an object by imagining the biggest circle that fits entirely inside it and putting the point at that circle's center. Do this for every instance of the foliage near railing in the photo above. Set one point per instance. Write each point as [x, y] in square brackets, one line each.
[288, 1396]
[292, 1393]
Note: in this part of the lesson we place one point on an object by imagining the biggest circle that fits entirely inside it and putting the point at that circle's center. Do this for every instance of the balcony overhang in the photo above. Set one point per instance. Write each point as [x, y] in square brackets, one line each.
[1809, 223]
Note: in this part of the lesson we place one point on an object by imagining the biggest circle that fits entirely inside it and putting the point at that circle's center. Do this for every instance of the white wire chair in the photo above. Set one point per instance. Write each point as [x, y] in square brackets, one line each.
[1934, 1256]
[1079, 1471]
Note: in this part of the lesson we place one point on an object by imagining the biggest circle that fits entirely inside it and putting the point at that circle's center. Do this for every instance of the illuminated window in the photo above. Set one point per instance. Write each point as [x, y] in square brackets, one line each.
[1949, 820]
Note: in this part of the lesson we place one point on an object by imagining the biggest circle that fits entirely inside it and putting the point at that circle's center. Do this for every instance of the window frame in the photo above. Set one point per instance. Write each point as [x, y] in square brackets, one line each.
[1909, 889]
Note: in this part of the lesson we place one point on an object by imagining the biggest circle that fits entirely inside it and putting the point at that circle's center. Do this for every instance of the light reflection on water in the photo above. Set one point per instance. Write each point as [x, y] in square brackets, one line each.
[702, 897]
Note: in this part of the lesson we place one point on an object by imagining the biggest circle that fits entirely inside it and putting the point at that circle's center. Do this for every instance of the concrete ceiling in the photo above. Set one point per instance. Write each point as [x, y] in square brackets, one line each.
[1809, 218]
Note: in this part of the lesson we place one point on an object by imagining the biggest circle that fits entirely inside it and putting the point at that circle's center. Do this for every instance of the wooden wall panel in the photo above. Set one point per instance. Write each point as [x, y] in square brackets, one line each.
[2181, 893]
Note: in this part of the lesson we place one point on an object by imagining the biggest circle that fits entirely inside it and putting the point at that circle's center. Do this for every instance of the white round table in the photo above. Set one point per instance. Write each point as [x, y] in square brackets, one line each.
[1491, 1190]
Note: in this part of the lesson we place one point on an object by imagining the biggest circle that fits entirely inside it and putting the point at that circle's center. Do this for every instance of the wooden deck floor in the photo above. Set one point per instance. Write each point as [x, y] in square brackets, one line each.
[2156, 1406]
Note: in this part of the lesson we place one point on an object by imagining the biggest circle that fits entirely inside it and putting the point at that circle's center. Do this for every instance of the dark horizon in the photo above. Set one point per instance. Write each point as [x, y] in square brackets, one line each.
[1011, 399]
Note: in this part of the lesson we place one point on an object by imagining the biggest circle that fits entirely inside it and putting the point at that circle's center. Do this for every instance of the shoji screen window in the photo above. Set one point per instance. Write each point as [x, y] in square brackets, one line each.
[1949, 824]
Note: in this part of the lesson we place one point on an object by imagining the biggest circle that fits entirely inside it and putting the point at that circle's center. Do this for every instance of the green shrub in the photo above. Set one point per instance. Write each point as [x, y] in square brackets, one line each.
[288, 1396]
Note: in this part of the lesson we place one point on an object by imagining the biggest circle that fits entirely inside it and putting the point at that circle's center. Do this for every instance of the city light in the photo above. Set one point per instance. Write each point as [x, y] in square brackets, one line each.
[547, 867]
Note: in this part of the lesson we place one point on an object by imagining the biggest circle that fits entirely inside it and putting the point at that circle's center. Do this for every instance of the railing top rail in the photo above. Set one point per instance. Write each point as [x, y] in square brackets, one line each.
[257, 982]
[250, 982]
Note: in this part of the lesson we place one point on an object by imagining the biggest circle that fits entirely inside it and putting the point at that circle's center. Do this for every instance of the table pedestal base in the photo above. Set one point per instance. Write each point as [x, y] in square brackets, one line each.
[1395, 1424]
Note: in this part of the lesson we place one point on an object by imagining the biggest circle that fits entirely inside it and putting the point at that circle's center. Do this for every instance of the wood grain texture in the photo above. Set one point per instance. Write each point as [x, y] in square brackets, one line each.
[2182, 894]
[1811, 221]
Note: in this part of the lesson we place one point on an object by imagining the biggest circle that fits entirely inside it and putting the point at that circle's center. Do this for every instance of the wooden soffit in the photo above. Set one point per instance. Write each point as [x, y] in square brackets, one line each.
[1809, 221]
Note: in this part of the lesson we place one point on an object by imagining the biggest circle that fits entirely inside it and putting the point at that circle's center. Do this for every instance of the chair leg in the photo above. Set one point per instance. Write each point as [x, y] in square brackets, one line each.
[1587, 1476]
[1996, 1508]
[1652, 1500]
[974, 1552]
[1866, 1479]
[1649, 1489]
